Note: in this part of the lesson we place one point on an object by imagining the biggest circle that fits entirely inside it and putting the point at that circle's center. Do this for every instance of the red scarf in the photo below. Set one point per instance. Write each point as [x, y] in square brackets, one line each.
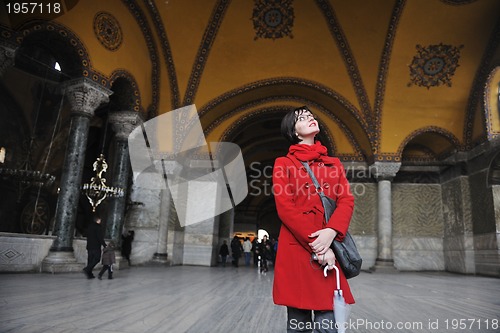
[315, 152]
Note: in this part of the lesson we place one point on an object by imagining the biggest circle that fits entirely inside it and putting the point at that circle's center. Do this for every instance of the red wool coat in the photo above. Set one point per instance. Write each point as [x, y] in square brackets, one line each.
[296, 282]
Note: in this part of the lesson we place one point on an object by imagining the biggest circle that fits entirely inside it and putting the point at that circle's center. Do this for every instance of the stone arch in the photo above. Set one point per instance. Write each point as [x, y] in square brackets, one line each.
[126, 94]
[428, 144]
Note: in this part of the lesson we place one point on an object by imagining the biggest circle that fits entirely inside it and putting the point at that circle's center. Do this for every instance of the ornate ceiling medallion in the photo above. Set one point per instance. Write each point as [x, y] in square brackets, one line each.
[434, 65]
[108, 31]
[273, 18]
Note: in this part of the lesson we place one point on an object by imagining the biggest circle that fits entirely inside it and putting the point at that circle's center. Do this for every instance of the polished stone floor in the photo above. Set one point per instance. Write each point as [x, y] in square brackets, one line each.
[228, 299]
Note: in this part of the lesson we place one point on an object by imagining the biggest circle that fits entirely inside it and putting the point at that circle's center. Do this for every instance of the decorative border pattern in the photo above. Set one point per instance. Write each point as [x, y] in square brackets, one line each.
[204, 50]
[122, 73]
[382, 77]
[279, 81]
[108, 31]
[142, 21]
[239, 124]
[349, 60]
[458, 2]
[199, 65]
[273, 19]
[167, 53]
[216, 103]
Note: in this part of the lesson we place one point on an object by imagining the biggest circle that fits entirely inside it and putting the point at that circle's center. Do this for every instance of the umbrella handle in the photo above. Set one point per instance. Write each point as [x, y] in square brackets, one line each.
[325, 273]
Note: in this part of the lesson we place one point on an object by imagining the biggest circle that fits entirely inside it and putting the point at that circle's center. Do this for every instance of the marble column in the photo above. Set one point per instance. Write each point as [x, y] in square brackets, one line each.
[123, 123]
[384, 173]
[161, 254]
[83, 96]
[7, 56]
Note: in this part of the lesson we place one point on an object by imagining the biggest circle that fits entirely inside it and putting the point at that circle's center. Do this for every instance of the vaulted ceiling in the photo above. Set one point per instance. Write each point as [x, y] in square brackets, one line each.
[390, 80]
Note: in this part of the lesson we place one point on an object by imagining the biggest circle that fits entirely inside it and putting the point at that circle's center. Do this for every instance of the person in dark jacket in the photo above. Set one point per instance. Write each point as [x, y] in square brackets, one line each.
[95, 239]
[265, 253]
[127, 245]
[236, 250]
[108, 259]
[224, 252]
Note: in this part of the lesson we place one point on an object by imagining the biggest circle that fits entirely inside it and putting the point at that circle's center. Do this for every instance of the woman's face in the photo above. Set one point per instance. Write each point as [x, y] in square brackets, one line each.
[306, 126]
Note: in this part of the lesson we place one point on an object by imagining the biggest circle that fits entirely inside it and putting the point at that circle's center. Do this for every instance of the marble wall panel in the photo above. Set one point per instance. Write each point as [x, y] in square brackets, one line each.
[199, 242]
[80, 249]
[418, 253]
[175, 247]
[456, 207]
[417, 210]
[459, 254]
[364, 218]
[495, 189]
[487, 254]
[23, 253]
[199, 255]
[481, 198]
[146, 213]
[144, 245]
[367, 247]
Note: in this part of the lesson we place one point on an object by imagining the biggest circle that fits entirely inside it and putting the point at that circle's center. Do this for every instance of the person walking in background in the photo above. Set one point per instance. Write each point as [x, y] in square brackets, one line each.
[224, 252]
[255, 250]
[236, 250]
[108, 259]
[265, 253]
[302, 288]
[127, 245]
[247, 251]
[95, 239]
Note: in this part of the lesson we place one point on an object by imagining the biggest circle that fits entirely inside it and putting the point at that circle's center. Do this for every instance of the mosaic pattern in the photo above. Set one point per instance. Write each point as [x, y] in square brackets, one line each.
[142, 21]
[167, 53]
[108, 31]
[349, 60]
[273, 19]
[375, 136]
[434, 65]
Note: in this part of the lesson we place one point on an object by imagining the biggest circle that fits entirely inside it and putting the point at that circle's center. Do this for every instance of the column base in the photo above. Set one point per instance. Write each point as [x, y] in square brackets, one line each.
[160, 259]
[121, 263]
[61, 262]
[384, 266]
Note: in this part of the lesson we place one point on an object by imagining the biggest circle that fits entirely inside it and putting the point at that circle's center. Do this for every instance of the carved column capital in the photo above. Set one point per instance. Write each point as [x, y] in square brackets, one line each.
[7, 56]
[85, 96]
[384, 170]
[124, 122]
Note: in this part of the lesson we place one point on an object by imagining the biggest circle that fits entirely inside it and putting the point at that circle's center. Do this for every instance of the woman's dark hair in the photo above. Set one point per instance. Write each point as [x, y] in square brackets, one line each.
[288, 124]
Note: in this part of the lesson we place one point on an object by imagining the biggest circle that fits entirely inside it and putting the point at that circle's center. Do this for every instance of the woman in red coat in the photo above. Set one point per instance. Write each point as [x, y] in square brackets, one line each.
[299, 282]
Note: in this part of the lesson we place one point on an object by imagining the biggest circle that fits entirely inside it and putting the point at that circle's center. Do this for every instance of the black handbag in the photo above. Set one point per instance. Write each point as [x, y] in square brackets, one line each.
[346, 252]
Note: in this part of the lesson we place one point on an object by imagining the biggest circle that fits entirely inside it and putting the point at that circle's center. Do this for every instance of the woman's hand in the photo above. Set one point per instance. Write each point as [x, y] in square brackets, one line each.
[327, 259]
[324, 239]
